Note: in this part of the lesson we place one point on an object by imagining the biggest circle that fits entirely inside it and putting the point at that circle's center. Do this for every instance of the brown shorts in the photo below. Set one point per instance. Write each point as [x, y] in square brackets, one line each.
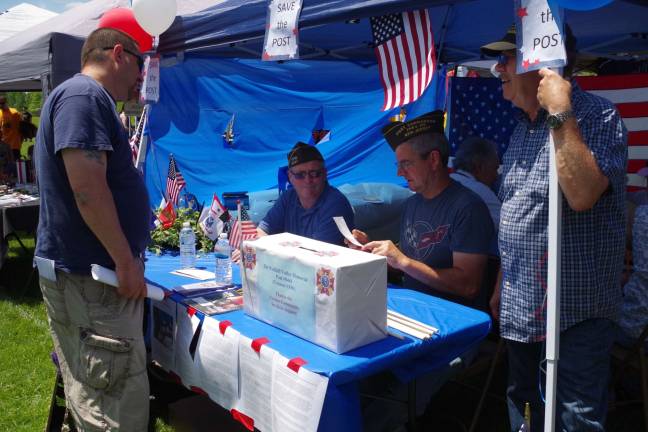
[100, 346]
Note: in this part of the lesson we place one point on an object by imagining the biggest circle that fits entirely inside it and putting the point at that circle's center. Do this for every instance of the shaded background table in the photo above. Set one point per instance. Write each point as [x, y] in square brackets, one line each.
[460, 328]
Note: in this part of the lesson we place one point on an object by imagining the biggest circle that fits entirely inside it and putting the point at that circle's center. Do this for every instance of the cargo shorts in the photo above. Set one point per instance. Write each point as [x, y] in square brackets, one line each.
[99, 342]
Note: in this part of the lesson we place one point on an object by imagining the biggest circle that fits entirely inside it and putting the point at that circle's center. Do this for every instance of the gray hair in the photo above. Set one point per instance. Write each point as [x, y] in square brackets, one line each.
[423, 144]
[474, 152]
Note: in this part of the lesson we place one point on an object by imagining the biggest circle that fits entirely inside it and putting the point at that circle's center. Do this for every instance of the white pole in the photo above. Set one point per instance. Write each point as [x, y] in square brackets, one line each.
[553, 289]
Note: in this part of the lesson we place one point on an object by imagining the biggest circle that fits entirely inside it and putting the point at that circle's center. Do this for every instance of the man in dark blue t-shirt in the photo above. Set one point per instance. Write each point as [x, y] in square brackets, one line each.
[309, 207]
[446, 231]
[95, 210]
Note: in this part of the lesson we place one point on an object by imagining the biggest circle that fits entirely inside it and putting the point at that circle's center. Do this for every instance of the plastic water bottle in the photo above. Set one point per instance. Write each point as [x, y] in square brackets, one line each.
[187, 246]
[223, 254]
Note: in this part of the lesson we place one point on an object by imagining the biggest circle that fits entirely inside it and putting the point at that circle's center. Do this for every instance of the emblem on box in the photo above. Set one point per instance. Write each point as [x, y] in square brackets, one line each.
[325, 281]
[290, 244]
[249, 257]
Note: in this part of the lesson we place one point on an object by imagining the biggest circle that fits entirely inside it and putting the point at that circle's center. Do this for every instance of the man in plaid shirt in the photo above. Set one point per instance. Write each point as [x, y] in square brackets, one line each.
[591, 153]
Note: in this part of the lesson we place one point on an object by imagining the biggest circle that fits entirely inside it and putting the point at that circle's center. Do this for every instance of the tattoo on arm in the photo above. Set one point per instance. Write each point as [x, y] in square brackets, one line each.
[80, 198]
[94, 155]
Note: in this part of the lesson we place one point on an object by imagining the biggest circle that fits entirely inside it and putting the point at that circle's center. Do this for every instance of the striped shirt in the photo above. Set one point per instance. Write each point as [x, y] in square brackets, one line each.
[592, 240]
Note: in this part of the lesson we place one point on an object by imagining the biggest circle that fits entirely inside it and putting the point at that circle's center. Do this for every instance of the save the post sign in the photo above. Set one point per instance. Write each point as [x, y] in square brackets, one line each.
[539, 36]
[282, 33]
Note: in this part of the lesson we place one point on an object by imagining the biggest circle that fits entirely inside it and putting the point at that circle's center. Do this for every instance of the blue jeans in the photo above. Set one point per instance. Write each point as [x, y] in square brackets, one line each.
[582, 389]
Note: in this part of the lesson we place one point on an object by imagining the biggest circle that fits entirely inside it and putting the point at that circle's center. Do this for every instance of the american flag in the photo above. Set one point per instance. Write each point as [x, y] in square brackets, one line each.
[242, 229]
[630, 95]
[175, 181]
[137, 136]
[477, 108]
[404, 47]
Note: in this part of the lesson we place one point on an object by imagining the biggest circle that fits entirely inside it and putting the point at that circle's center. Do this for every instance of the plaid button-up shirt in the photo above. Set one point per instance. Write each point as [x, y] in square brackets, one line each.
[592, 240]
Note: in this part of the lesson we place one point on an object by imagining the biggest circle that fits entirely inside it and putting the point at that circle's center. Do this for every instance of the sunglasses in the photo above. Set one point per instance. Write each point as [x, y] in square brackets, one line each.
[503, 59]
[301, 175]
[140, 59]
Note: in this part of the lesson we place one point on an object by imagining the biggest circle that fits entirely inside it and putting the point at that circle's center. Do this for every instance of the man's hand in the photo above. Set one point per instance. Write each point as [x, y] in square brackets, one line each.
[131, 279]
[386, 248]
[362, 238]
[554, 92]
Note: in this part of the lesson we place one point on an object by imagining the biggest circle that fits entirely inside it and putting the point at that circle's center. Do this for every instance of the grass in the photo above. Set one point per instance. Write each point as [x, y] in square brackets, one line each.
[27, 374]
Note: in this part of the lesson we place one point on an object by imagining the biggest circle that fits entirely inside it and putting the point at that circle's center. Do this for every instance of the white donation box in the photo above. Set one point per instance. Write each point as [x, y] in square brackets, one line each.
[330, 295]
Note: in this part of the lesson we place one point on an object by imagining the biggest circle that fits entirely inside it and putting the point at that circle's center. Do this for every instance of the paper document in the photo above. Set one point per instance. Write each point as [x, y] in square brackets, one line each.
[187, 325]
[256, 383]
[195, 273]
[109, 277]
[217, 363]
[344, 229]
[163, 314]
[297, 397]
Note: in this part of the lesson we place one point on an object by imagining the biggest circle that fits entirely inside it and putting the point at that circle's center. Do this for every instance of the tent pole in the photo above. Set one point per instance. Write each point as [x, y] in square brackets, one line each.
[444, 30]
[553, 288]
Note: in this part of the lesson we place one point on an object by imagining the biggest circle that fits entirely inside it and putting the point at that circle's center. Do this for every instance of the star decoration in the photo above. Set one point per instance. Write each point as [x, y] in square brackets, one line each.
[522, 12]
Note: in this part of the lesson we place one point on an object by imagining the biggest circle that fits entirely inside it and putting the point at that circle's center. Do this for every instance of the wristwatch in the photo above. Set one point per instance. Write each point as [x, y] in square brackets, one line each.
[555, 121]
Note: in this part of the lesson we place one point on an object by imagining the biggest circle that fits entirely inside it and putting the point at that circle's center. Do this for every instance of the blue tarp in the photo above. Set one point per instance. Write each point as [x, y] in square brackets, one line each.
[274, 105]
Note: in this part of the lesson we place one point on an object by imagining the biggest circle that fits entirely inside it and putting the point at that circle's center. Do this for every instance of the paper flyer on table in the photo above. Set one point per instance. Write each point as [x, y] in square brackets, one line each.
[344, 229]
[186, 328]
[255, 370]
[163, 315]
[217, 363]
[297, 397]
[194, 273]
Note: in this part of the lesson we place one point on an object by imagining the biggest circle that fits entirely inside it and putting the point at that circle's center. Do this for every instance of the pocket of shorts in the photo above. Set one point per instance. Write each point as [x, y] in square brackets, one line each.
[55, 301]
[104, 359]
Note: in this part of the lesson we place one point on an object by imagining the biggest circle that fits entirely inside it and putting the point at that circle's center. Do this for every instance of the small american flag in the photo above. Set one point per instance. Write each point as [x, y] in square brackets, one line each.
[630, 95]
[404, 47]
[477, 108]
[175, 181]
[137, 136]
[242, 229]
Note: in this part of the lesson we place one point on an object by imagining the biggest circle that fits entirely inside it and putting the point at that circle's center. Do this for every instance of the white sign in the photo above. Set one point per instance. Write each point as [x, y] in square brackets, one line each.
[151, 81]
[539, 35]
[282, 34]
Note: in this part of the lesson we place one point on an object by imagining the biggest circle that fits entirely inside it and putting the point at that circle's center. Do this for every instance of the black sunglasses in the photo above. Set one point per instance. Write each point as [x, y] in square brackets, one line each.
[140, 60]
[301, 175]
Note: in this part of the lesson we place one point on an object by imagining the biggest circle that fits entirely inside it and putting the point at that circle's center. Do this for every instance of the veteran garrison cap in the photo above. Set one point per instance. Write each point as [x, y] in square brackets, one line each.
[397, 133]
[303, 152]
[507, 43]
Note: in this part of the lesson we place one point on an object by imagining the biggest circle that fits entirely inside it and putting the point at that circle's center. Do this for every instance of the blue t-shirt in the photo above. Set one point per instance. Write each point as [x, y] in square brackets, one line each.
[288, 215]
[456, 220]
[81, 114]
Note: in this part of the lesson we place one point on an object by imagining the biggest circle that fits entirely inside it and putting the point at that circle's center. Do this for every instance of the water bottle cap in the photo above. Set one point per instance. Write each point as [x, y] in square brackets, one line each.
[186, 225]
[222, 235]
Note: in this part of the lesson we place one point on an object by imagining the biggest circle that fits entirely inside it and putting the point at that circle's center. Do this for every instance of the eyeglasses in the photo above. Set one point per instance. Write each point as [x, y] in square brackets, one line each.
[140, 60]
[407, 164]
[503, 59]
[301, 175]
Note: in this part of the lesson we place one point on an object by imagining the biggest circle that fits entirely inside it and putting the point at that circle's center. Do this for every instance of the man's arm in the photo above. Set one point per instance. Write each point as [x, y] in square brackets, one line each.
[580, 177]
[462, 279]
[86, 171]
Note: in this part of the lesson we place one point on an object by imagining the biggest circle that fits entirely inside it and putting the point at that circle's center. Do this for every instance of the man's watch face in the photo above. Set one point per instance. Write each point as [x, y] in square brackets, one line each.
[553, 121]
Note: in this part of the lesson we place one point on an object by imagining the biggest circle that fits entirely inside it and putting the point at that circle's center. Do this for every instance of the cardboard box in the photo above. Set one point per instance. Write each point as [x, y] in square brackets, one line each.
[332, 296]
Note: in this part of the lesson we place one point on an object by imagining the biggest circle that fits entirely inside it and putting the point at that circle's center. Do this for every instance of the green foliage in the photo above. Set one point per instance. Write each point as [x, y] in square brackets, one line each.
[169, 239]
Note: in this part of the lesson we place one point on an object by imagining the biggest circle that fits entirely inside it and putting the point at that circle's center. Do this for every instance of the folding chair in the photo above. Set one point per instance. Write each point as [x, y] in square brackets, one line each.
[635, 358]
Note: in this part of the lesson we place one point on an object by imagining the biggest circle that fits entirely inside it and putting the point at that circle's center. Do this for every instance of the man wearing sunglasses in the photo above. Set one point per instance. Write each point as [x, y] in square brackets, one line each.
[95, 210]
[308, 208]
[590, 150]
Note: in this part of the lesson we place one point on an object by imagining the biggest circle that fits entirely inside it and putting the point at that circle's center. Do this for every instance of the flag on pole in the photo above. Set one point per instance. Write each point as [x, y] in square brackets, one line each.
[137, 136]
[175, 181]
[319, 134]
[404, 47]
[212, 219]
[630, 95]
[242, 228]
[167, 216]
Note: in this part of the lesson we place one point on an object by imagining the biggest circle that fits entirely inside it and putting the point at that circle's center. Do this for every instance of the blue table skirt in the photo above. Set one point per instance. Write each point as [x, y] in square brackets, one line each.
[460, 328]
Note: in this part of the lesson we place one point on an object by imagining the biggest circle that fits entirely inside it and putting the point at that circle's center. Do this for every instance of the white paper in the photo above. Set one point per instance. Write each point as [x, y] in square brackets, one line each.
[542, 44]
[217, 363]
[197, 286]
[163, 317]
[186, 328]
[194, 273]
[282, 36]
[344, 229]
[46, 268]
[297, 397]
[109, 277]
[256, 382]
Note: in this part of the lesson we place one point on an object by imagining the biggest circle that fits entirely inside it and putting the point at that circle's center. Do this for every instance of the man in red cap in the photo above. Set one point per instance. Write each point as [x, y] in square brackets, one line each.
[95, 210]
